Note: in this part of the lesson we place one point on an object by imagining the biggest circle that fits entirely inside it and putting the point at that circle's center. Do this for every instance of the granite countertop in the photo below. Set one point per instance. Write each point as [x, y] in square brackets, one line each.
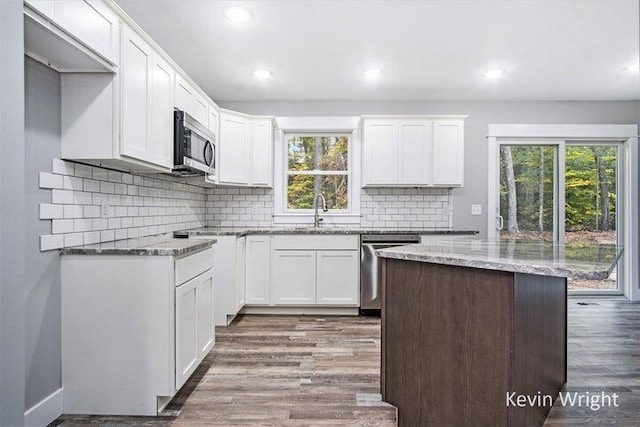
[575, 260]
[242, 231]
[160, 245]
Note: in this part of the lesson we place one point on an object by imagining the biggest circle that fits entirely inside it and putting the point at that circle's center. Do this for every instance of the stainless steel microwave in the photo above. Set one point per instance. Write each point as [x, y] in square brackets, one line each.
[194, 149]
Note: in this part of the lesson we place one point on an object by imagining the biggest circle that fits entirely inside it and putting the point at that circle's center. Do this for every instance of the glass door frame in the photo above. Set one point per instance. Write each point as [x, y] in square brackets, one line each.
[626, 135]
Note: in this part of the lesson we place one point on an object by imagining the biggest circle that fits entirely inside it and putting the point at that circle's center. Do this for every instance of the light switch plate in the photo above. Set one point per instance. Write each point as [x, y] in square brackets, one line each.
[476, 209]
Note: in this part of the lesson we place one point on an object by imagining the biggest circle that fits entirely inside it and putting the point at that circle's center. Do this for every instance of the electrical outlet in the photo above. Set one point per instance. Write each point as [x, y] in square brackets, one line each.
[476, 209]
[104, 209]
[255, 209]
[378, 210]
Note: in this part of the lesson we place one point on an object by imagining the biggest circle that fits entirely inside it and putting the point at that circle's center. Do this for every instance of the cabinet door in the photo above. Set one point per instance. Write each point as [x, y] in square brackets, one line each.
[414, 152]
[380, 148]
[184, 95]
[135, 79]
[160, 146]
[338, 280]
[214, 120]
[204, 329]
[294, 277]
[448, 153]
[257, 270]
[241, 252]
[91, 22]
[200, 109]
[262, 153]
[234, 149]
[186, 331]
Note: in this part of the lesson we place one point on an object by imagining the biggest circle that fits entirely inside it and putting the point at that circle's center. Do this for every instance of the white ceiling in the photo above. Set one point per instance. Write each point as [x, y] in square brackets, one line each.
[427, 49]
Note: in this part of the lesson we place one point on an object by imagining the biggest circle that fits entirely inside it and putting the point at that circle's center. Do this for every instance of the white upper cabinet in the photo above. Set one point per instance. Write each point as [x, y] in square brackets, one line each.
[135, 81]
[185, 94]
[246, 150]
[235, 134]
[262, 153]
[90, 22]
[412, 152]
[147, 94]
[160, 145]
[448, 153]
[188, 99]
[380, 152]
[201, 109]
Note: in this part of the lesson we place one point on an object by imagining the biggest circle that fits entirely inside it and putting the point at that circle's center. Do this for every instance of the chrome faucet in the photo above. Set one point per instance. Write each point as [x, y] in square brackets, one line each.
[316, 218]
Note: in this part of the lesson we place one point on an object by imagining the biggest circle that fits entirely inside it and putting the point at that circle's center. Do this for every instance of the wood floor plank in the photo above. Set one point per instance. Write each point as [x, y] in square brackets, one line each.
[325, 371]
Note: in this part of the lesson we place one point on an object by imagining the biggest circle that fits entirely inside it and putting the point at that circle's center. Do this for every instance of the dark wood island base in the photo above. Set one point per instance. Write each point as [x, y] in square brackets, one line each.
[461, 344]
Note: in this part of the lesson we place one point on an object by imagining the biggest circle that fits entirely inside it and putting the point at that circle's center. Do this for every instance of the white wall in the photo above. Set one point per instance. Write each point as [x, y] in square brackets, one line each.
[42, 284]
[481, 114]
[12, 215]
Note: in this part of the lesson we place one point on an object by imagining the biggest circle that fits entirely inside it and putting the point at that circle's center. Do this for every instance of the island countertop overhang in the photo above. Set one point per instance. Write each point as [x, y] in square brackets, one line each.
[575, 260]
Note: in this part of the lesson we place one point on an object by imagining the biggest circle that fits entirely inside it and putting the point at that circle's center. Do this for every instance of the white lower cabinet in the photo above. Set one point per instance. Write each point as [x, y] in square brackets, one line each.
[134, 328]
[229, 278]
[194, 325]
[186, 331]
[257, 272]
[337, 277]
[241, 251]
[294, 277]
[303, 270]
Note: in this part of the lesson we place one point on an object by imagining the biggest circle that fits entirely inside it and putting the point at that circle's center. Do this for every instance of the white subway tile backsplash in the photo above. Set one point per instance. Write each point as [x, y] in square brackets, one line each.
[73, 211]
[51, 211]
[59, 226]
[83, 171]
[79, 192]
[82, 224]
[91, 237]
[72, 183]
[50, 242]
[91, 211]
[73, 239]
[61, 167]
[91, 185]
[49, 180]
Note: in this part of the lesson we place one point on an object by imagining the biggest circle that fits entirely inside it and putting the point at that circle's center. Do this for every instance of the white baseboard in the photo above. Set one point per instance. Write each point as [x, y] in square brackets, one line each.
[45, 411]
[301, 310]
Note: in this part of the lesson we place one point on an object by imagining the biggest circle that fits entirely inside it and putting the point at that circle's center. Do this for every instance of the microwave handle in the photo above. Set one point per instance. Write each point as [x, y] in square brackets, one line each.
[209, 147]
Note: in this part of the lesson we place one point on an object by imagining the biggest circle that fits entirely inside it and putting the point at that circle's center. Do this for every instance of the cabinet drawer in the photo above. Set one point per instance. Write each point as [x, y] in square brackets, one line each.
[315, 242]
[190, 266]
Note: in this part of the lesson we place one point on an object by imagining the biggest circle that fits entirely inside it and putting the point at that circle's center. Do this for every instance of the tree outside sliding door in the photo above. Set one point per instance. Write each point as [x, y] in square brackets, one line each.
[527, 190]
[564, 192]
[591, 193]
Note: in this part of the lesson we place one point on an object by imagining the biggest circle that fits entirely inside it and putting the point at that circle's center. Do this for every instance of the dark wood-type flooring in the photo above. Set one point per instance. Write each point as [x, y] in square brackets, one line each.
[325, 371]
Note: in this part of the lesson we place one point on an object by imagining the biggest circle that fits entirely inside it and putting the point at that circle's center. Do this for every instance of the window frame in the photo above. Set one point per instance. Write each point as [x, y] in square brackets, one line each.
[317, 172]
[349, 126]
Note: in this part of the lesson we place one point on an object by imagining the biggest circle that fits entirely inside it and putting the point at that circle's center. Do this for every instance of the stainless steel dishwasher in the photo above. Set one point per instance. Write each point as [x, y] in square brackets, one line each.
[371, 268]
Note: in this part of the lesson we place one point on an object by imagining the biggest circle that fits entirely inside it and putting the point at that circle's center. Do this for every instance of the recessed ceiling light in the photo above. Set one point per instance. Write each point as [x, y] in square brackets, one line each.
[237, 14]
[262, 74]
[495, 73]
[372, 74]
[634, 68]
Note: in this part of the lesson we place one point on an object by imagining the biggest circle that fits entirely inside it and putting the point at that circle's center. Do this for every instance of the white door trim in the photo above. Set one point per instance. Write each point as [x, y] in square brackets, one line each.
[626, 134]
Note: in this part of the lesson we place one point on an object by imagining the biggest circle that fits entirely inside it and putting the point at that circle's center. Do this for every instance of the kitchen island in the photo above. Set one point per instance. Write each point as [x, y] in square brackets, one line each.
[469, 326]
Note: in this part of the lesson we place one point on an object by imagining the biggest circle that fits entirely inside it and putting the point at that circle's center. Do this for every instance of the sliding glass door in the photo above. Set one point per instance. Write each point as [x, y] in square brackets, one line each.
[563, 192]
